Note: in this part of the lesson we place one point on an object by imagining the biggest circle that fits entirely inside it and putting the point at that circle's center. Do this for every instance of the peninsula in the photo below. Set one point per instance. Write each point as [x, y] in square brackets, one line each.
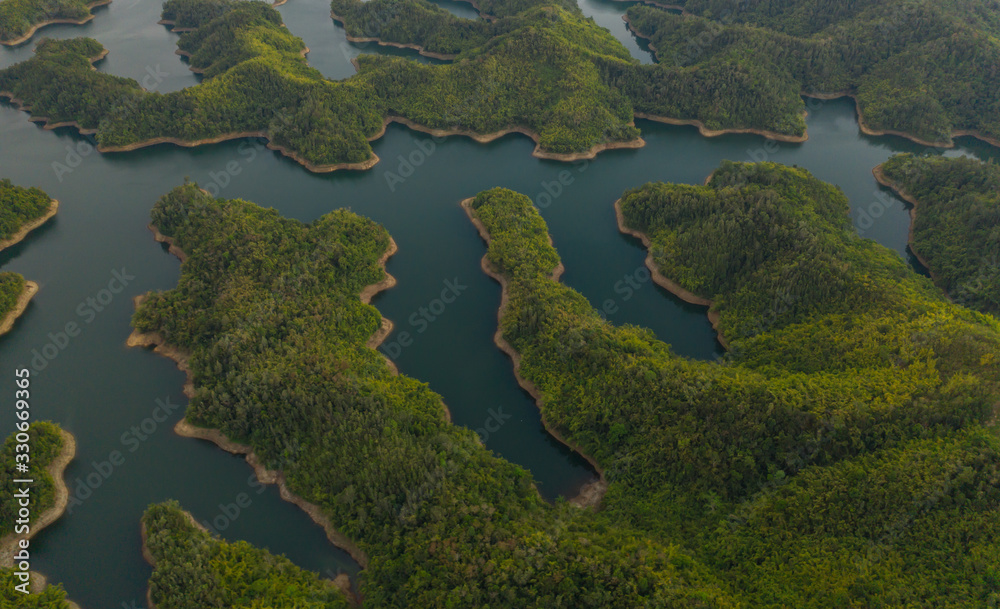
[20, 19]
[954, 226]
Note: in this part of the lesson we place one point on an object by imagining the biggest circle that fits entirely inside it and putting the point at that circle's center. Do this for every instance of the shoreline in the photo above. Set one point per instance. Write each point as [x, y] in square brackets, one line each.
[242, 135]
[31, 31]
[45, 121]
[7, 323]
[57, 470]
[30, 226]
[706, 132]
[862, 126]
[183, 428]
[666, 283]
[386, 326]
[399, 45]
[901, 192]
[867, 130]
[489, 137]
[591, 493]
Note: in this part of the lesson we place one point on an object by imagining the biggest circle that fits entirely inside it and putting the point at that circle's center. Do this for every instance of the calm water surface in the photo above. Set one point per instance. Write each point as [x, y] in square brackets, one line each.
[99, 390]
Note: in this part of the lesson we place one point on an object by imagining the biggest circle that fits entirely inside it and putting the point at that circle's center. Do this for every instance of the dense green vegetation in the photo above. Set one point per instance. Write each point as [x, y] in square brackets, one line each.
[46, 444]
[185, 14]
[956, 229]
[19, 206]
[837, 458]
[923, 68]
[193, 570]
[269, 309]
[545, 68]
[17, 17]
[11, 287]
[52, 597]
[61, 66]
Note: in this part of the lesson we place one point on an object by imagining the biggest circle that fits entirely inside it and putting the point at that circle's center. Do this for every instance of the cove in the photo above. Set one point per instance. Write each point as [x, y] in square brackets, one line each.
[99, 390]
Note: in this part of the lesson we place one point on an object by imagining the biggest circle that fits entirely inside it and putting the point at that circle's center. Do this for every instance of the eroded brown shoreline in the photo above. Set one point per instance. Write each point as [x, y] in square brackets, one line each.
[7, 324]
[31, 32]
[665, 282]
[592, 493]
[56, 469]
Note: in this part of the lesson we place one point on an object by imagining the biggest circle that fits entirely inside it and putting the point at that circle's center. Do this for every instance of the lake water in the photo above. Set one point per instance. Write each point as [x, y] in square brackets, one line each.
[106, 394]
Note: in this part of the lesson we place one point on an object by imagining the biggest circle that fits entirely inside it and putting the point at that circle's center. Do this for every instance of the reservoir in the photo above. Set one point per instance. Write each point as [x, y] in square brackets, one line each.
[108, 395]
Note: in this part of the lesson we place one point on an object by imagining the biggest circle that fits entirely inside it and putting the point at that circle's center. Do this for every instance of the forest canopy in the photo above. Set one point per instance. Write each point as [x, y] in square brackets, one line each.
[17, 17]
[847, 435]
[268, 308]
[193, 570]
[925, 69]
[956, 223]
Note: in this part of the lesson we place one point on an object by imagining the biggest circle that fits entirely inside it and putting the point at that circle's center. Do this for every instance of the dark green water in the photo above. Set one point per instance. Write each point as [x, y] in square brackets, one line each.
[98, 389]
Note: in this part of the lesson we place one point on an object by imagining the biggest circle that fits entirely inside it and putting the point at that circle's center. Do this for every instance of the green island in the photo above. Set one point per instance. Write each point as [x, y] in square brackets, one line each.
[51, 451]
[20, 19]
[955, 228]
[193, 570]
[844, 454]
[923, 70]
[434, 517]
[21, 211]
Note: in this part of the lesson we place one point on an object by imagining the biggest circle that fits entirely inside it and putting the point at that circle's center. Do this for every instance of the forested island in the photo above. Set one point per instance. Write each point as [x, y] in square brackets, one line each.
[955, 222]
[924, 70]
[51, 451]
[193, 570]
[20, 19]
[21, 211]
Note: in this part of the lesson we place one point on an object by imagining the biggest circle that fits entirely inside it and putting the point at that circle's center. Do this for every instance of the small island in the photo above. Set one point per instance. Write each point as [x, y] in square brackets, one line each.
[22, 210]
[20, 19]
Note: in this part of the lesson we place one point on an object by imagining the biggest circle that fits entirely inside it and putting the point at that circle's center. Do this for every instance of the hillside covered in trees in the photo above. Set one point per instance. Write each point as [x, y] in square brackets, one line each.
[926, 69]
[269, 310]
[844, 454]
[956, 223]
[193, 570]
[19, 17]
[541, 68]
